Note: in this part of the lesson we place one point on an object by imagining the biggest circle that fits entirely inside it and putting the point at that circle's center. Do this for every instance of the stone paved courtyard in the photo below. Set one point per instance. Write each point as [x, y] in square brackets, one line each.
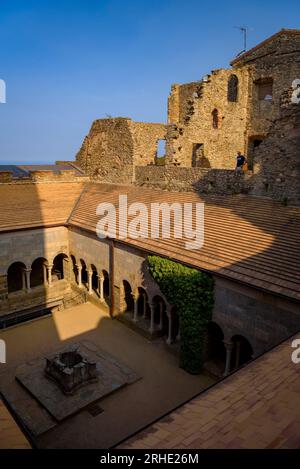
[163, 385]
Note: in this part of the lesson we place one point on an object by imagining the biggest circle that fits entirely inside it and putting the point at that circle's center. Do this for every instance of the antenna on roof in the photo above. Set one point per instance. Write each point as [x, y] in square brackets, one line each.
[244, 30]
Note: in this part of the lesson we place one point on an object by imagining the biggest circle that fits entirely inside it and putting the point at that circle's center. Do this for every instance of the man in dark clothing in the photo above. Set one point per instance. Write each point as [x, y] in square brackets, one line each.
[240, 161]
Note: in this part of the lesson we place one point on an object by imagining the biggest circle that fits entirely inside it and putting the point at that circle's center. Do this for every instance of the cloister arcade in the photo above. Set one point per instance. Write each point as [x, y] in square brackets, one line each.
[228, 354]
[144, 307]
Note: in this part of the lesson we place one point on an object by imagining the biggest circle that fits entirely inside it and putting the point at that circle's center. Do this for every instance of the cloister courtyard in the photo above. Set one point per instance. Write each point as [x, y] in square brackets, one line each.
[161, 386]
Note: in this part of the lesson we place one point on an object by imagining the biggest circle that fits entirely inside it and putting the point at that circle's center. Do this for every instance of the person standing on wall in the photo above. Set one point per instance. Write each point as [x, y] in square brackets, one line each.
[240, 162]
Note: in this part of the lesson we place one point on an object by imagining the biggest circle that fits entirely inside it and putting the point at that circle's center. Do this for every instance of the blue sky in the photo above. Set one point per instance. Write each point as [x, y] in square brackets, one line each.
[66, 63]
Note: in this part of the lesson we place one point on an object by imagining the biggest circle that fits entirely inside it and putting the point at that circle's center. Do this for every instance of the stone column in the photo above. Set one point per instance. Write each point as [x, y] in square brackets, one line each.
[101, 281]
[27, 275]
[161, 315]
[23, 280]
[79, 269]
[135, 297]
[152, 311]
[90, 288]
[169, 339]
[45, 274]
[49, 270]
[144, 305]
[228, 346]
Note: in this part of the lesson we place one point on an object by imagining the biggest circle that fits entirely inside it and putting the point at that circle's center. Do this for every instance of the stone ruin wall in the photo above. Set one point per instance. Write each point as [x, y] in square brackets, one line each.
[277, 160]
[192, 106]
[115, 146]
[107, 151]
[283, 66]
[145, 138]
[123, 151]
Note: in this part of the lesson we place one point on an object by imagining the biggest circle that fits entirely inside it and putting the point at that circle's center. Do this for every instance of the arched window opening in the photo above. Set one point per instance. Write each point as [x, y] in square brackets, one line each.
[232, 91]
[59, 270]
[128, 298]
[242, 352]
[143, 305]
[160, 316]
[106, 286]
[215, 119]
[16, 277]
[74, 272]
[95, 280]
[38, 274]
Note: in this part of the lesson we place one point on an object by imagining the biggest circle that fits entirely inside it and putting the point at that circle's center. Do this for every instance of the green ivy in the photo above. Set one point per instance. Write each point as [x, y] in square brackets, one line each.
[191, 293]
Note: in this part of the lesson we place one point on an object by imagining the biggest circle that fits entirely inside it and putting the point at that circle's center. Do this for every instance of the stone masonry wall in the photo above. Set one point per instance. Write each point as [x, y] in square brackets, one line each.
[114, 146]
[214, 181]
[192, 106]
[277, 160]
[278, 60]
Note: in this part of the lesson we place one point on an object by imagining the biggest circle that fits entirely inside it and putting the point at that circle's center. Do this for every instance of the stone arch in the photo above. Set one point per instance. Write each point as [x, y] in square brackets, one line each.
[60, 269]
[242, 351]
[160, 313]
[15, 277]
[214, 353]
[95, 280]
[106, 286]
[38, 273]
[84, 274]
[127, 300]
[232, 88]
[143, 307]
[73, 269]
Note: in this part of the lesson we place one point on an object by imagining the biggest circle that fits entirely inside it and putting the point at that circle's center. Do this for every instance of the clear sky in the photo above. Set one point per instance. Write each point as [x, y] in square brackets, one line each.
[68, 62]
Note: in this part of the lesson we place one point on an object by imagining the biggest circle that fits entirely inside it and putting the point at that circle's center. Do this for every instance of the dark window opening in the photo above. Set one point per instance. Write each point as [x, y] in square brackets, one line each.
[254, 143]
[232, 91]
[215, 118]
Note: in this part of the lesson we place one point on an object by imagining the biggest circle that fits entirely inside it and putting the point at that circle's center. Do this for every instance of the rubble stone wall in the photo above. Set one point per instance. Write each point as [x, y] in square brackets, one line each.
[191, 108]
[277, 160]
[114, 146]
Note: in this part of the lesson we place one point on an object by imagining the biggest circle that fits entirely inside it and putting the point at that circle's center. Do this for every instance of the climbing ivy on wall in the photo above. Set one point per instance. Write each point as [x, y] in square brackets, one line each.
[191, 293]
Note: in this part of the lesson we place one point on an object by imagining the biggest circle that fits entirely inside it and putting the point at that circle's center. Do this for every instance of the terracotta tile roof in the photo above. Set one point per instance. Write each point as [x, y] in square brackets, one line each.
[11, 437]
[283, 31]
[256, 407]
[248, 239]
[31, 205]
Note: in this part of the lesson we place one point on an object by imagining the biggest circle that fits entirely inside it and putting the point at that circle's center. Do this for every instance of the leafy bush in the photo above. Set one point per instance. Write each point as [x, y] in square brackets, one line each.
[191, 293]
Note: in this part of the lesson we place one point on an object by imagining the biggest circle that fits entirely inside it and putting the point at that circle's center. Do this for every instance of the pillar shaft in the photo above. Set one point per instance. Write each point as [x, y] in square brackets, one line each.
[23, 280]
[45, 274]
[49, 270]
[228, 346]
[101, 281]
[161, 315]
[90, 287]
[169, 339]
[144, 305]
[135, 307]
[152, 310]
[79, 269]
[27, 279]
